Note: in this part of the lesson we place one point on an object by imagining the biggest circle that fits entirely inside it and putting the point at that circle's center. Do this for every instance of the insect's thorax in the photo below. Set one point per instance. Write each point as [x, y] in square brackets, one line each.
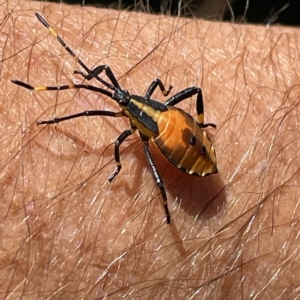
[144, 114]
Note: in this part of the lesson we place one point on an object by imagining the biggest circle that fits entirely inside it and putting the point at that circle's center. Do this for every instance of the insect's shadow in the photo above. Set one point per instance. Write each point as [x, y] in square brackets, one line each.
[201, 197]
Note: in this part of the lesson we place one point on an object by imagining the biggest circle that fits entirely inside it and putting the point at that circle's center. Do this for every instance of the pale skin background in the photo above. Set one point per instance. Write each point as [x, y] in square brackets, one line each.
[67, 234]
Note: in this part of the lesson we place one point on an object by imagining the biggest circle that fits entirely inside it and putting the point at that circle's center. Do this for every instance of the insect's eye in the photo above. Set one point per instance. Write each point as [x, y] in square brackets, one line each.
[192, 140]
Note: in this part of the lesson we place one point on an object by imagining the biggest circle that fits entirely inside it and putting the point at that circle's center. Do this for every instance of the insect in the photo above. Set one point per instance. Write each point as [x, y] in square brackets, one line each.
[179, 137]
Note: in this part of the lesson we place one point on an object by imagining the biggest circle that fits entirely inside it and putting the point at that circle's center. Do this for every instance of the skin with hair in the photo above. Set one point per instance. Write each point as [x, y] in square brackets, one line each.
[68, 234]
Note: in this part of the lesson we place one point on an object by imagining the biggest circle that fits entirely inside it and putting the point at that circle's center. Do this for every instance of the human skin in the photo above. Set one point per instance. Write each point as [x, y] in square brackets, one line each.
[68, 234]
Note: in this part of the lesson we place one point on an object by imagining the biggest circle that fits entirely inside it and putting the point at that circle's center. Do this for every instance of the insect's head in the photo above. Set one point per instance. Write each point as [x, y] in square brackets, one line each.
[121, 96]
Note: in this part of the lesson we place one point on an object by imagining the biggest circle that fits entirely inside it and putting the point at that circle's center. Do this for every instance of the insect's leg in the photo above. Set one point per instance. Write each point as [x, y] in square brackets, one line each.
[62, 87]
[157, 82]
[187, 93]
[118, 142]
[86, 113]
[95, 72]
[156, 176]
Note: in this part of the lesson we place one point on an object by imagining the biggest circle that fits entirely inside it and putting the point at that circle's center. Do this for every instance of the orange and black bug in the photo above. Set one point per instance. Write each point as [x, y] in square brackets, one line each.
[179, 137]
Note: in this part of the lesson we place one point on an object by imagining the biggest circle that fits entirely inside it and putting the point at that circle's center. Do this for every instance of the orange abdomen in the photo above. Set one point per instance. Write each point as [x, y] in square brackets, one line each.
[184, 143]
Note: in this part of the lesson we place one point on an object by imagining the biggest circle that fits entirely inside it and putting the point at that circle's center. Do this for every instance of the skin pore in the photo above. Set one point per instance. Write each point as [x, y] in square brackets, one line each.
[68, 234]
